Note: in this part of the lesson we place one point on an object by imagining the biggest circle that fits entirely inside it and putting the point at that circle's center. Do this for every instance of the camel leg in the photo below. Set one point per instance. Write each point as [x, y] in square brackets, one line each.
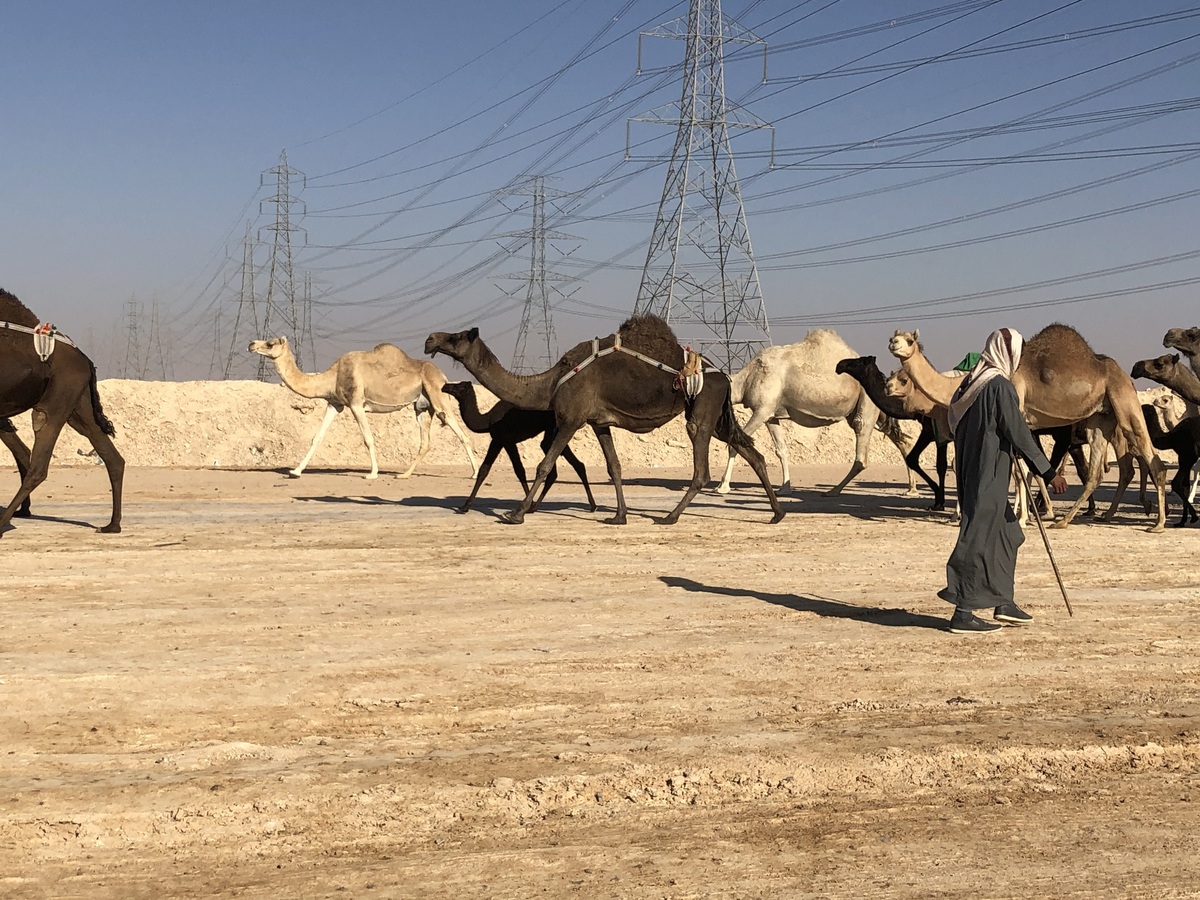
[84, 422]
[518, 467]
[701, 438]
[547, 440]
[360, 416]
[581, 470]
[45, 435]
[564, 435]
[775, 430]
[493, 451]
[912, 460]
[425, 420]
[604, 436]
[1099, 429]
[331, 412]
[1124, 477]
[20, 454]
[436, 400]
[757, 419]
[1195, 481]
[862, 446]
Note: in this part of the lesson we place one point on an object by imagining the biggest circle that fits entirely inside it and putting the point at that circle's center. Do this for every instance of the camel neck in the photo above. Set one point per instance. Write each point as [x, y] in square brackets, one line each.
[302, 383]
[929, 381]
[525, 391]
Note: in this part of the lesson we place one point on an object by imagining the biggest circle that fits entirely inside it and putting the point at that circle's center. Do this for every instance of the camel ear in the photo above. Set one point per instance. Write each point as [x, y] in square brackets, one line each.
[473, 334]
[916, 335]
[1174, 357]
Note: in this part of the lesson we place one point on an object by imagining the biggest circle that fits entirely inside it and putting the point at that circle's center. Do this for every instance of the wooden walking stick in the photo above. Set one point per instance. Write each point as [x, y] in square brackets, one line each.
[1046, 540]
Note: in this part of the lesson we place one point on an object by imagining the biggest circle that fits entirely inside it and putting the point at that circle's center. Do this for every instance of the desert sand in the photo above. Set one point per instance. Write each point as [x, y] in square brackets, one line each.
[330, 687]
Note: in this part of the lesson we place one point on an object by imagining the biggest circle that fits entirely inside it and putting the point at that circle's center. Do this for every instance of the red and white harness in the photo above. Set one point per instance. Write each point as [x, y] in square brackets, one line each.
[44, 337]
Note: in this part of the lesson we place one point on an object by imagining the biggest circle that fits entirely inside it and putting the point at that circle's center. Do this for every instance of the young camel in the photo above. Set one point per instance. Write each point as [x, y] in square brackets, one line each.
[799, 382]
[508, 425]
[864, 370]
[381, 380]
[603, 384]
[1184, 439]
[1062, 381]
[1167, 370]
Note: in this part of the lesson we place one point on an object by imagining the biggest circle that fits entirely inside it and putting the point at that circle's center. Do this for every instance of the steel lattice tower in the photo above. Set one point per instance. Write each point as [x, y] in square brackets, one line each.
[247, 307]
[281, 279]
[535, 348]
[700, 273]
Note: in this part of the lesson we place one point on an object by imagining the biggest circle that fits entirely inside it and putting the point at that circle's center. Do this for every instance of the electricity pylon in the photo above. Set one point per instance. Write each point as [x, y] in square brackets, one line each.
[247, 310]
[700, 273]
[536, 348]
[281, 298]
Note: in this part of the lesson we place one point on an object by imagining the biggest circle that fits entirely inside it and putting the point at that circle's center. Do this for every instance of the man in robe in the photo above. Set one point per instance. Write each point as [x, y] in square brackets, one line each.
[989, 429]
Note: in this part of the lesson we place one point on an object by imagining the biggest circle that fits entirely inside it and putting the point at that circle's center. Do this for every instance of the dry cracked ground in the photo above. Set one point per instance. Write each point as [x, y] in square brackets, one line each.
[330, 687]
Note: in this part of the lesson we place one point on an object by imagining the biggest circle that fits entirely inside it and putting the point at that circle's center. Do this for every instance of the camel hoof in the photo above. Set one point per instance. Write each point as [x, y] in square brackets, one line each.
[371, 476]
[666, 520]
[110, 528]
[462, 509]
[1059, 523]
[723, 488]
[615, 520]
[777, 518]
[911, 492]
[1155, 529]
[293, 474]
[833, 492]
[513, 518]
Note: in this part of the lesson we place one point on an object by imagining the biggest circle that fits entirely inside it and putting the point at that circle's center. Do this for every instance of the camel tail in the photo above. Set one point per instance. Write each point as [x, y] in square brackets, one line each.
[730, 431]
[97, 409]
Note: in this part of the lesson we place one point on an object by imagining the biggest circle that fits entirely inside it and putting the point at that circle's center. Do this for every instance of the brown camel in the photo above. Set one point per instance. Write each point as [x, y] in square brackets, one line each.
[1184, 439]
[1167, 370]
[614, 389]
[1061, 381]
[381, 380]
[1187, 342]
[59, 390]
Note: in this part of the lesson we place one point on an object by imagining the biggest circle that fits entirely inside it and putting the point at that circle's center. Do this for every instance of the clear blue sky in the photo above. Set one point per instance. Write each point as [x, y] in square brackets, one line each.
[968, 156]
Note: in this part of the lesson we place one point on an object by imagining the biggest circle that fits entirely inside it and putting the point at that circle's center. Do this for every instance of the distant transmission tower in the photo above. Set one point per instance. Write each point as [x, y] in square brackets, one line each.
[535, 349]
[247, 311]
[700, 271]
[133, 367]
[280, 305]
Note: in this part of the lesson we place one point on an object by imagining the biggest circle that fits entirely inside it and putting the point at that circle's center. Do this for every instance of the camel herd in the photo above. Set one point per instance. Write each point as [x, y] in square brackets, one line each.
[638, 379]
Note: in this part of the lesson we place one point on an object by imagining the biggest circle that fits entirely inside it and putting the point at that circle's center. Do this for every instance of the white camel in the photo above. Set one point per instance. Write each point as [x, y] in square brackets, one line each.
[381, 380]
[800, 382]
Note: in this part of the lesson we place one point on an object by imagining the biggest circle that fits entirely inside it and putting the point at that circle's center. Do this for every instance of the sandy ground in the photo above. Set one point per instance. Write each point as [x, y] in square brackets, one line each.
[332, 687]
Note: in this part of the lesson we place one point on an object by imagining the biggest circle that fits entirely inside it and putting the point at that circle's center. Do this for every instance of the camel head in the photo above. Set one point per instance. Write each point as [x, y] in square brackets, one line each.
[458, 389]
[904, 344]
[1156, 369]
[272, 348]
[853, 364]
[457, 345]
[899, 385]
[1185, 339]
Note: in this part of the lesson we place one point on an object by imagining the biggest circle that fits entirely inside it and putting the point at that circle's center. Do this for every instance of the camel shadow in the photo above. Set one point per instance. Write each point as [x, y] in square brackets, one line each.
[36, 517]
[357, 501]
[891, 618]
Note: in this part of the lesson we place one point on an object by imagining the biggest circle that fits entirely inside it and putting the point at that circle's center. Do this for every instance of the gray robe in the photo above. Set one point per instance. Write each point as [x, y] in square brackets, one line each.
[982, 567]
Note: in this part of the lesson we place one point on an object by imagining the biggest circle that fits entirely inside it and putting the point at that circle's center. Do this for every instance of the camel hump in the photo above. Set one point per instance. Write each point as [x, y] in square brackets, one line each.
[13, 310]
[652, 336]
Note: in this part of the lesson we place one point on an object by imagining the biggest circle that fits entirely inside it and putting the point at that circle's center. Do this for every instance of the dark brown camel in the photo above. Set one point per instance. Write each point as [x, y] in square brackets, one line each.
[865, 371]
[617, 389]
[508, 425]
[1184, 439]
[1187, 342]
[58, 391]
[1167, 370]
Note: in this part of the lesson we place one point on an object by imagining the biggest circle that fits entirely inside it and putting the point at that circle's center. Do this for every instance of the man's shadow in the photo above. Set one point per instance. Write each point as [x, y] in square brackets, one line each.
[819, 605]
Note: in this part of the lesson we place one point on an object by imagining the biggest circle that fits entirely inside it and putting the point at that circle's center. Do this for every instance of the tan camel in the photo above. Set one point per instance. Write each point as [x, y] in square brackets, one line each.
[1062, 381]
[1187, 342]
[1168, 371]
[800, 382]
[381, 380]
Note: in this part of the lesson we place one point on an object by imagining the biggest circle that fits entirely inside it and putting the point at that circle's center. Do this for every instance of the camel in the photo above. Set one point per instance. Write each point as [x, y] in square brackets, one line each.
[899, 387]
[1167, 370]
[597, 384]
[799, 382]
[864, 370]
[1062, 381]
[59, 390]
[508, 426]
[1184, 439]
[381, 380]
[1187, 342]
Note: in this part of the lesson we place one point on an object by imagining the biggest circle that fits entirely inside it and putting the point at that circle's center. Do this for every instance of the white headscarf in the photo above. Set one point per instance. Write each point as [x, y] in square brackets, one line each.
[1000, 358]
